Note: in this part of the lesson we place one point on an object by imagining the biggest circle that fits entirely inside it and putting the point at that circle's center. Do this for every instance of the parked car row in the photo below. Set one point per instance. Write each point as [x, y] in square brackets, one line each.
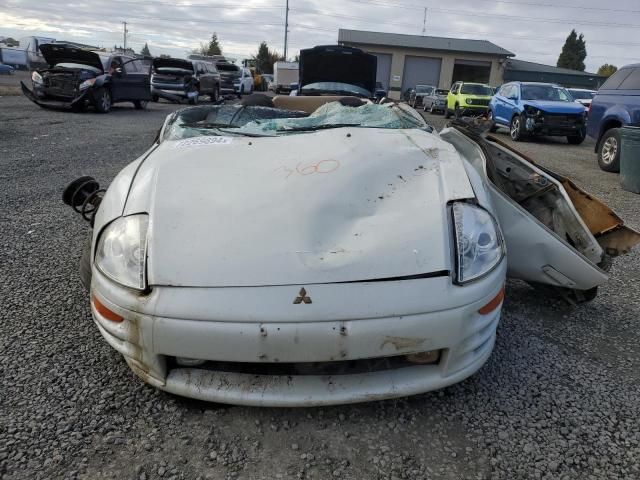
[77, 78]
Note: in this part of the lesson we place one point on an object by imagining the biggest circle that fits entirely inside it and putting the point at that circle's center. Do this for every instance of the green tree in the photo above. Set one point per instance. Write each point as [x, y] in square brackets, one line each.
[11, 42]
[265, 58]
[211, 48]
[573, 53]
[607, 70]
[145, 50]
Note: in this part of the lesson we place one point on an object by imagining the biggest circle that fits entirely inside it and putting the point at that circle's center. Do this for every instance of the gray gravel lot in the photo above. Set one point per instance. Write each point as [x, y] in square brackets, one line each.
[557, 400]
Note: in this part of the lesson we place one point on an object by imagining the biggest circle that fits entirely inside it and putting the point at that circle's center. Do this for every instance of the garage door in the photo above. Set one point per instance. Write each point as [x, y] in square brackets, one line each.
[471, 71]
[384, 69]
[420, 71]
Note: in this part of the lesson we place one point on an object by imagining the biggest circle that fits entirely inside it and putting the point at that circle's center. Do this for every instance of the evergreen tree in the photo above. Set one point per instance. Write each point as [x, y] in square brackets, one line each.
[145, 50]
[573, 53]
[607, 70]
[214, 46]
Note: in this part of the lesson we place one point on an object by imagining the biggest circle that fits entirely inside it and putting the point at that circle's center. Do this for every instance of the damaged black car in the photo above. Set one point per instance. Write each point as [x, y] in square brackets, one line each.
[77, 78]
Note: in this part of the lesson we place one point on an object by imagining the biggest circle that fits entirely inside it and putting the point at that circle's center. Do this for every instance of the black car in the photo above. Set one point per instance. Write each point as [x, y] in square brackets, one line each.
[175, 79]
[337, 70]
[76, 78]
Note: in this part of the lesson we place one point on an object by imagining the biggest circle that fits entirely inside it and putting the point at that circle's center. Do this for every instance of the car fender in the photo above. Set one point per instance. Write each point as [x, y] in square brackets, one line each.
[115, 198]
[614, 114]
[102, 80]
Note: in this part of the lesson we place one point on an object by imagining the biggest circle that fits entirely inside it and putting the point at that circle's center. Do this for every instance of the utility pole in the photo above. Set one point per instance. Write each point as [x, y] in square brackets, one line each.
[424, 22]
[286, 29]
[125, 35]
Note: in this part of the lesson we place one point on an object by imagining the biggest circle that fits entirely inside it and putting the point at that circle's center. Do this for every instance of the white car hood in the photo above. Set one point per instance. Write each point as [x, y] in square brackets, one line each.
[340, 205]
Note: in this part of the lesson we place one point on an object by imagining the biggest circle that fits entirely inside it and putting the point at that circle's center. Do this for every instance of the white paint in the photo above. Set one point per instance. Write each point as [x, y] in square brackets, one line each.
[202, 141]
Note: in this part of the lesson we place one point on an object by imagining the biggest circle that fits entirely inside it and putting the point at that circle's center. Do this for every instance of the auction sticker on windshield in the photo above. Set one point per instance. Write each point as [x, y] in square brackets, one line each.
[201, 141]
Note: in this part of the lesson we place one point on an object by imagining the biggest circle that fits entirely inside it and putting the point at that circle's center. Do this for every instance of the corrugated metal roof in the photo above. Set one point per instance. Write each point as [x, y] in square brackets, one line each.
[522, 66]
[423, 42]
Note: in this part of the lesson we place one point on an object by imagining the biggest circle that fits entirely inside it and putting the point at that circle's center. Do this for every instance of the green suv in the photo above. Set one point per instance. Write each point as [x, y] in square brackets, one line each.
[468, 99]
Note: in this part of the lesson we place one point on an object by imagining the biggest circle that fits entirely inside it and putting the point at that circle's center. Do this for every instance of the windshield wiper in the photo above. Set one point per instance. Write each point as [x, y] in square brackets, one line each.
[208, 125]
[312, 128]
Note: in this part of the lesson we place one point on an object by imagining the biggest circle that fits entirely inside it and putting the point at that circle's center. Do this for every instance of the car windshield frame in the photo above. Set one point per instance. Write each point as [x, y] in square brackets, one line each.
[338, 88]
[540, 96]
[424, 88]
[227, 67]
[476, 89]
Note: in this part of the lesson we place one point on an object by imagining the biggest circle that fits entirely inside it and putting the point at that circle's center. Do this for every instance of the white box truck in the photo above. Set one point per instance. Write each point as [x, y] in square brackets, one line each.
[284, 74]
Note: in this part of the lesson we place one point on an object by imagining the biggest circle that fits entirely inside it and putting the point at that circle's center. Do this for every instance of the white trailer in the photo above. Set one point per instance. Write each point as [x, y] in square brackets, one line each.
[284, 74]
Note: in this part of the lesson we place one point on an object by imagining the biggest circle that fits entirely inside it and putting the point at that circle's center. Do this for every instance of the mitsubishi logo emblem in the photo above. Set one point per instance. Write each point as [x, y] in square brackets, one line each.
[302, 297]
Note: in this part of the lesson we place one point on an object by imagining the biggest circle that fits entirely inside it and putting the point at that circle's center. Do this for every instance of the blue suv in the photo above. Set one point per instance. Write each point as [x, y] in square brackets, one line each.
[528, 109]
[616, 104]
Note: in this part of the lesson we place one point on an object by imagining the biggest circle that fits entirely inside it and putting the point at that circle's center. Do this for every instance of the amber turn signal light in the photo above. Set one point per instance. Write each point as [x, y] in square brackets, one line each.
[105, 312]
[493, 304]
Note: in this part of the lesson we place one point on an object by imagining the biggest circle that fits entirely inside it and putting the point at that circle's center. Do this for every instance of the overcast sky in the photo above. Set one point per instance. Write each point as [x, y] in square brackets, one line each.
[534, 31]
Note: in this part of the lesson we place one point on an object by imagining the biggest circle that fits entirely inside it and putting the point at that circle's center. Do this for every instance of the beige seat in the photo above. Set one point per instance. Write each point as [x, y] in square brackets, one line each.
[306, 104]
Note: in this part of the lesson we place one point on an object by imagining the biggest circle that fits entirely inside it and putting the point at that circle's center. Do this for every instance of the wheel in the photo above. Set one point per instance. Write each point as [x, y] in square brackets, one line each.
[155, 98]
[493, 127]
[447, 113]
[103, 100]
[215, 96]
[140, 104]
[515, 129]
[194, 100]
[609, 151]
[577, 139]
[457, 111]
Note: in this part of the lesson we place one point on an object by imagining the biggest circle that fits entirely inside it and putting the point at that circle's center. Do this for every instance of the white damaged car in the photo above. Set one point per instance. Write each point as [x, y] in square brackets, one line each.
[260, 256]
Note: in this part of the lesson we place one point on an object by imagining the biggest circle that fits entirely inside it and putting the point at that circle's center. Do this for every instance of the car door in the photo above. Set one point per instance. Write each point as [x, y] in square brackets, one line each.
[555, 233]
[498, 104]
[511, 103]
[248, 80]
[131, 82]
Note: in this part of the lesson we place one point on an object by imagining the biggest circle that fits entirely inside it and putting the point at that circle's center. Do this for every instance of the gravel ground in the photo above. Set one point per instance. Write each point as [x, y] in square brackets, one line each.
[558, 399]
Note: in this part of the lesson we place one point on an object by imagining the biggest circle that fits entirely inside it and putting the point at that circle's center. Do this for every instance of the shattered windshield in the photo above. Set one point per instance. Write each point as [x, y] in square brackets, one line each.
[582, 94]
[269, 122]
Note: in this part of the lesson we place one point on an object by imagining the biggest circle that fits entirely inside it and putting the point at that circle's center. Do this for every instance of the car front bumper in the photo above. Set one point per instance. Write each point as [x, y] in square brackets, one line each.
[535, 125]
[474, 110]
[40, 98]
[261, 325]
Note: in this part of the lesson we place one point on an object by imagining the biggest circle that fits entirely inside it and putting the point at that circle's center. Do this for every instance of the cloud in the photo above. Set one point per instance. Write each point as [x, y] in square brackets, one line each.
[533, 30]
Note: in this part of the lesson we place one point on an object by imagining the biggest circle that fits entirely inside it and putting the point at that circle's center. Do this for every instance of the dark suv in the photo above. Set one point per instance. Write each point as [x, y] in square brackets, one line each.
[174, 78]
[616, 104]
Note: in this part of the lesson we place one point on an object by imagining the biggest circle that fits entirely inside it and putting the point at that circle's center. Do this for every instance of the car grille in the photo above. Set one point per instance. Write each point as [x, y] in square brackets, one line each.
[556, 120]
[481, 102]
[60, 86]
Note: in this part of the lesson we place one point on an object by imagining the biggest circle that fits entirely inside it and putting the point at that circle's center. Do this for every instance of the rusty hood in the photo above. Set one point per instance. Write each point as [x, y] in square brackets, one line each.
[340, 205]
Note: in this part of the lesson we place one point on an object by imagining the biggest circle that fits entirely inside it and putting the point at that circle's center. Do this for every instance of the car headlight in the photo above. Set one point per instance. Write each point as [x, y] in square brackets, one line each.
[122, 251]
[37, 78]
[479, 244]
[87, 83]
[533, 111]
[469, 101]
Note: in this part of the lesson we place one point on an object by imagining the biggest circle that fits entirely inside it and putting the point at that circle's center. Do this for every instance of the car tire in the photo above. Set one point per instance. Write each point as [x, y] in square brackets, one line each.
[515, 128]
[215, 96]
[456, 112]
[609, 151]
[140, 104]
[155, 98]
[103, 100]
[493, 128]
[447, 113]
[577, 139]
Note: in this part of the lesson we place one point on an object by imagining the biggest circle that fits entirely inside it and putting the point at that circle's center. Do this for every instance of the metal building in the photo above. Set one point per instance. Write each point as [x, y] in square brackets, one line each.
[407, 60]
[519, 70]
